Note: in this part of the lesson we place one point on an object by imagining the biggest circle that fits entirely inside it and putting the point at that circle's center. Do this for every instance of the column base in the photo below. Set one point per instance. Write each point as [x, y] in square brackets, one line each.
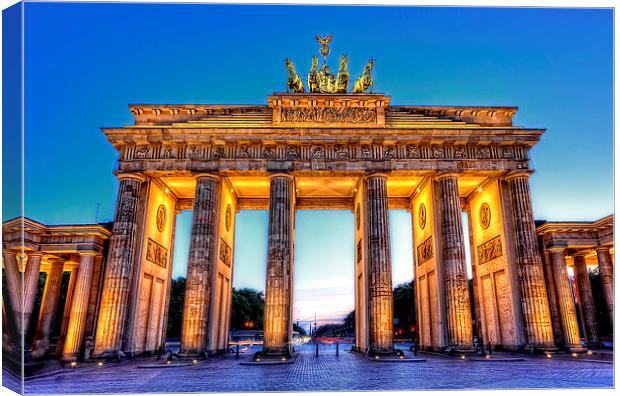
[540, 349]
[109, 355]
[384, 353]
[69, 357]
[192, 355]
[460, 349]
[273, 354]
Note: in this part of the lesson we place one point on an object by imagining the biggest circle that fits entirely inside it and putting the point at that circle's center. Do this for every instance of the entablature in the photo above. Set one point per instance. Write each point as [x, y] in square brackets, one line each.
[577, 234]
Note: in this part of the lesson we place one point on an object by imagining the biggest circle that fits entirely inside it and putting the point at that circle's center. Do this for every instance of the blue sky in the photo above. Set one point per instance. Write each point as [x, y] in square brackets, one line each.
[85, 62]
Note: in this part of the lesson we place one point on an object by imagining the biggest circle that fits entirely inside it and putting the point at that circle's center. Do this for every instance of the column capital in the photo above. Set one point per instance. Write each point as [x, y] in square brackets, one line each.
[375, 174]
[87, 253]
[125, 175]
[579, 254]
[280, 174]
[556, 249]
[446, 175]
[37, 253]
[602, 248]
[519, 174]
[213, 176]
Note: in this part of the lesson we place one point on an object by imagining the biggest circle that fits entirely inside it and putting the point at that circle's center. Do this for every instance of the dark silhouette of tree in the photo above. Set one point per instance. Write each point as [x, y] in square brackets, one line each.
[602, 315]
[248, 306]
[175, 308]
[349, 323]
[299, 329]
[404, 309]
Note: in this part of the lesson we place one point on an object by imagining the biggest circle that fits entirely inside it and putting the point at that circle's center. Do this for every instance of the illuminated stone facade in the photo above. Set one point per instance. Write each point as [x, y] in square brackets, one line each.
[74, 252]
[318, 151]
[577, 245]
[356, 152]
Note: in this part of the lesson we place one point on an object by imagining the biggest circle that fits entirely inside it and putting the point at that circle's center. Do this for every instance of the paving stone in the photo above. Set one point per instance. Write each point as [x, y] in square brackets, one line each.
[348, 371]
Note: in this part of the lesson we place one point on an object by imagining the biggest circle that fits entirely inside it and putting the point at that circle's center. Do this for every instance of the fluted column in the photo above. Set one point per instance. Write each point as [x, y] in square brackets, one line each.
[566, 305]
[606, 270]
[116, 283]
[64, 326]
[31, 281]
[14, 286]
[279, 285]
[536, 315]
[379, 260]
[199, 265]
[458, 308]
[49, 307]
[554, 309]
[585, 297]
[79, 307]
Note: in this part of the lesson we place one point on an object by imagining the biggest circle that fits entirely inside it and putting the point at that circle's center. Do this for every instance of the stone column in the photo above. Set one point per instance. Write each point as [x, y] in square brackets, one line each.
[116, 283]
[277, 319]
[607, 278]
[536, 315]
[66, 312]
[49, 307]
[554, 309]
[458, 308]
[199, 267]
[379, 261]
[566, 305]
[31, 281]
[14, 286]
[79, 307]
[585, 297]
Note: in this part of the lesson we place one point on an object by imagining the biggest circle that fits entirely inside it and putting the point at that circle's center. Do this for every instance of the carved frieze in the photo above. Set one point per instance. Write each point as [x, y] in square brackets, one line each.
[490, 250]
[156, 253]
[425, 251]
[328, 151]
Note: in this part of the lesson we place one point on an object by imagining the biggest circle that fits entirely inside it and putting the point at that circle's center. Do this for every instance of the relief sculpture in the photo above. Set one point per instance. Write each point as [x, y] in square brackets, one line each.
[490, 250]
[350, 115]
[425, 251]
[156, 253]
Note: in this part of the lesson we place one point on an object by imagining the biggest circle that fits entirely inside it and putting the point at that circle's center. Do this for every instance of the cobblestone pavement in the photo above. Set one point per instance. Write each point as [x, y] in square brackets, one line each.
[328, 372]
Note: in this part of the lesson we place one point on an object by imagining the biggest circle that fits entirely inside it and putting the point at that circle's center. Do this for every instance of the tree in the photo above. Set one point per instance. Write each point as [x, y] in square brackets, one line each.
[175, 308]
[602, 314]
[349, 322]
[299, 329]
[404, 308]
[248, 306]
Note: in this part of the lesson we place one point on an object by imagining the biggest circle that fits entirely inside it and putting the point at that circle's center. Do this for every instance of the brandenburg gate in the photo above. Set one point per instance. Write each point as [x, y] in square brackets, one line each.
[325, 151]
[328, 149]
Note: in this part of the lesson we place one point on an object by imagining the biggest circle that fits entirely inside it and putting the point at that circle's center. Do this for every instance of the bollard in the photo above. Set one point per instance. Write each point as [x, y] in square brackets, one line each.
[237, 352]
[337, 348]
[317, 349]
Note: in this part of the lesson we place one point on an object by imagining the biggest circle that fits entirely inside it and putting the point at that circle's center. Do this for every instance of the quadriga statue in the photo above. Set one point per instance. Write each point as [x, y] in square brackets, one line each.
[365, 81]
[293, 83]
